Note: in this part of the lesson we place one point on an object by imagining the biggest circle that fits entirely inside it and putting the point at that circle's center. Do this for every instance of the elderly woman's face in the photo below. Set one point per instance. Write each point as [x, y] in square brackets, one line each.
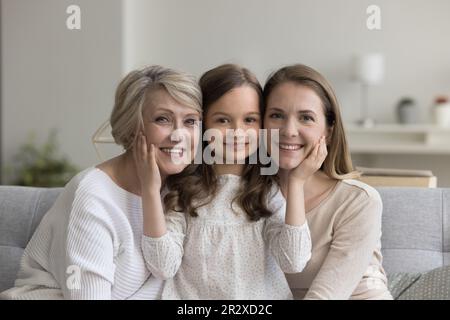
[297, 111]
[173, 129]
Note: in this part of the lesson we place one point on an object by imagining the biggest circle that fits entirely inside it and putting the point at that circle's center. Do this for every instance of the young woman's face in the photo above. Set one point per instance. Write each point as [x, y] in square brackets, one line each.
[237, 110]
[298, 113]
[163, 117]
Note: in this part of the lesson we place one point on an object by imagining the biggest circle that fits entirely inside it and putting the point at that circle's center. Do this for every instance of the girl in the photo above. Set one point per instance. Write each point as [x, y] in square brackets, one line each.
[229, 233]
[344, 215]
[88, 245]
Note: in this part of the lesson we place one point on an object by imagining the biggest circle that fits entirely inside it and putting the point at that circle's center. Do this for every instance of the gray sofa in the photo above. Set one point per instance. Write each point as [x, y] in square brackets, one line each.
[416, 227]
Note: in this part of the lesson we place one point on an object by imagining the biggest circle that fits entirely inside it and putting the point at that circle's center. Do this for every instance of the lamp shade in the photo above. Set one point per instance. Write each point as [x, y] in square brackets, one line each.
[369, 68]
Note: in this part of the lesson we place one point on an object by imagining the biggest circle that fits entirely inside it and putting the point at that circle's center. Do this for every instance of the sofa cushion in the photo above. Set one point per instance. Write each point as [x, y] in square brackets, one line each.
[10, 258]
[21, 211]
[431, 285]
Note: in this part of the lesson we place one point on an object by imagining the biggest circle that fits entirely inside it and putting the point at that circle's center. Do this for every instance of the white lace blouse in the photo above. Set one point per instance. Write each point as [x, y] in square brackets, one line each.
[221, 254]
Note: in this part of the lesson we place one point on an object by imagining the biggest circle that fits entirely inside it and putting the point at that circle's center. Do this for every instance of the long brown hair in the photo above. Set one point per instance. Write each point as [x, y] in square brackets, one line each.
[338, 163]
[199, 182]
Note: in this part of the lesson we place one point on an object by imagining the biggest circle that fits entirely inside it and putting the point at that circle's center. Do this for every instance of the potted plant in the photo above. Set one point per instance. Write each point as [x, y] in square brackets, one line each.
[407, 111]
[42, 166]
[441, 111]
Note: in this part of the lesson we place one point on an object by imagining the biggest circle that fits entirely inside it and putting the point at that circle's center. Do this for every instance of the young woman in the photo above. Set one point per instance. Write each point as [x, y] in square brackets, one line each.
[88, 246]
[344, 215]
[230, 233]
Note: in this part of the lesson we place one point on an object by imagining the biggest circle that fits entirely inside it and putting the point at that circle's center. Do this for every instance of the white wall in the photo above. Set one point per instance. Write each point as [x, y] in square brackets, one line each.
[263, 35]
[55, 77]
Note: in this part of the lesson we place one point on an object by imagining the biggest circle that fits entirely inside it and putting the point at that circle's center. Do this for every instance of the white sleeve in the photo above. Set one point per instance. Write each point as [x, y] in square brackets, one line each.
[163, 255]
[89, 252]
[290, 245]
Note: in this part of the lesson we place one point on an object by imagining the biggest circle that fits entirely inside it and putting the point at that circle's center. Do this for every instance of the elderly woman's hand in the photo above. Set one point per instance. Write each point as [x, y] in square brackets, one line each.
[146, 166]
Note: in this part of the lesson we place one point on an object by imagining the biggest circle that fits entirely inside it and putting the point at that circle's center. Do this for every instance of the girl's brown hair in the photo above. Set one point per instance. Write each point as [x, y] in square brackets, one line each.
[338, 163]
[199, 182]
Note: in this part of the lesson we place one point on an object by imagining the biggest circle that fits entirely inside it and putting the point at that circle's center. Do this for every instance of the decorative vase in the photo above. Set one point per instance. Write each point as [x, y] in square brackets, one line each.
[407, 111]
[442, 112]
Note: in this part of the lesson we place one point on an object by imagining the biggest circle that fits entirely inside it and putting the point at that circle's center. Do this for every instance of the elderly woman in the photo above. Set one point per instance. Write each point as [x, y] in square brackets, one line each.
[88, 246]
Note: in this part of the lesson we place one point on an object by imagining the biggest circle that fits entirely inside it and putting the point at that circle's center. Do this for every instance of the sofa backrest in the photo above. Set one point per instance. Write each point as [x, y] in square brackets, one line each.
[416, 227]
[21, 210]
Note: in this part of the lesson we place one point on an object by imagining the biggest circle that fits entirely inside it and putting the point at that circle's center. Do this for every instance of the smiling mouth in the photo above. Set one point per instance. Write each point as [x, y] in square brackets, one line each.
[173, 151]
[290, 147]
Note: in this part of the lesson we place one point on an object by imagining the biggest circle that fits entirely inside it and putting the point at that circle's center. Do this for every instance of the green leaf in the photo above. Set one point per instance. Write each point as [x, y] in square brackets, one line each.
[42, 166]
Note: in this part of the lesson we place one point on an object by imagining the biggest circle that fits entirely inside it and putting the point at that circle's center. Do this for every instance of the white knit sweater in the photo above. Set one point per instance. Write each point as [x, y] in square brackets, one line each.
[88, 246]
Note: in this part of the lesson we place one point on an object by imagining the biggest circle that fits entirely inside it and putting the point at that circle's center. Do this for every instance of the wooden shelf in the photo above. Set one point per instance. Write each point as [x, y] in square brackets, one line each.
[399, 139]
[387, 181]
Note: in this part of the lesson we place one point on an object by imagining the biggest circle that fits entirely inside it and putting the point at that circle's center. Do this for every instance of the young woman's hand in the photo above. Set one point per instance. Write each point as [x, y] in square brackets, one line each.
[146, 166]
[311, 163]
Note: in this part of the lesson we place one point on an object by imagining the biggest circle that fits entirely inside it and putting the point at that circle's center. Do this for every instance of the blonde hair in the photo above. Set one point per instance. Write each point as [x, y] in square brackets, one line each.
[134, 91]
[338, 163]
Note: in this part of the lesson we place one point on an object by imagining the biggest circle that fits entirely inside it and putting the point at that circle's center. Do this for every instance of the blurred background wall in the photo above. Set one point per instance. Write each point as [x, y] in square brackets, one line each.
[55, 77]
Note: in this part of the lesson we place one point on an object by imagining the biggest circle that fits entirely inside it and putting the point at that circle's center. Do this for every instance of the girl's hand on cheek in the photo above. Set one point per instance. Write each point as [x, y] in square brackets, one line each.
[311, 163]
[146, 166]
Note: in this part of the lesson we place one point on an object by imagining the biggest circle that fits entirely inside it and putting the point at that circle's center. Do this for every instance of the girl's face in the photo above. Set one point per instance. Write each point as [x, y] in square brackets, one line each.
[237, 110]
[298, 113]
[163, 117]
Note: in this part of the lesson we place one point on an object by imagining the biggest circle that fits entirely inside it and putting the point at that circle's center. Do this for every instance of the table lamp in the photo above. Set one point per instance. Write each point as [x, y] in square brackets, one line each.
[368, 70]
